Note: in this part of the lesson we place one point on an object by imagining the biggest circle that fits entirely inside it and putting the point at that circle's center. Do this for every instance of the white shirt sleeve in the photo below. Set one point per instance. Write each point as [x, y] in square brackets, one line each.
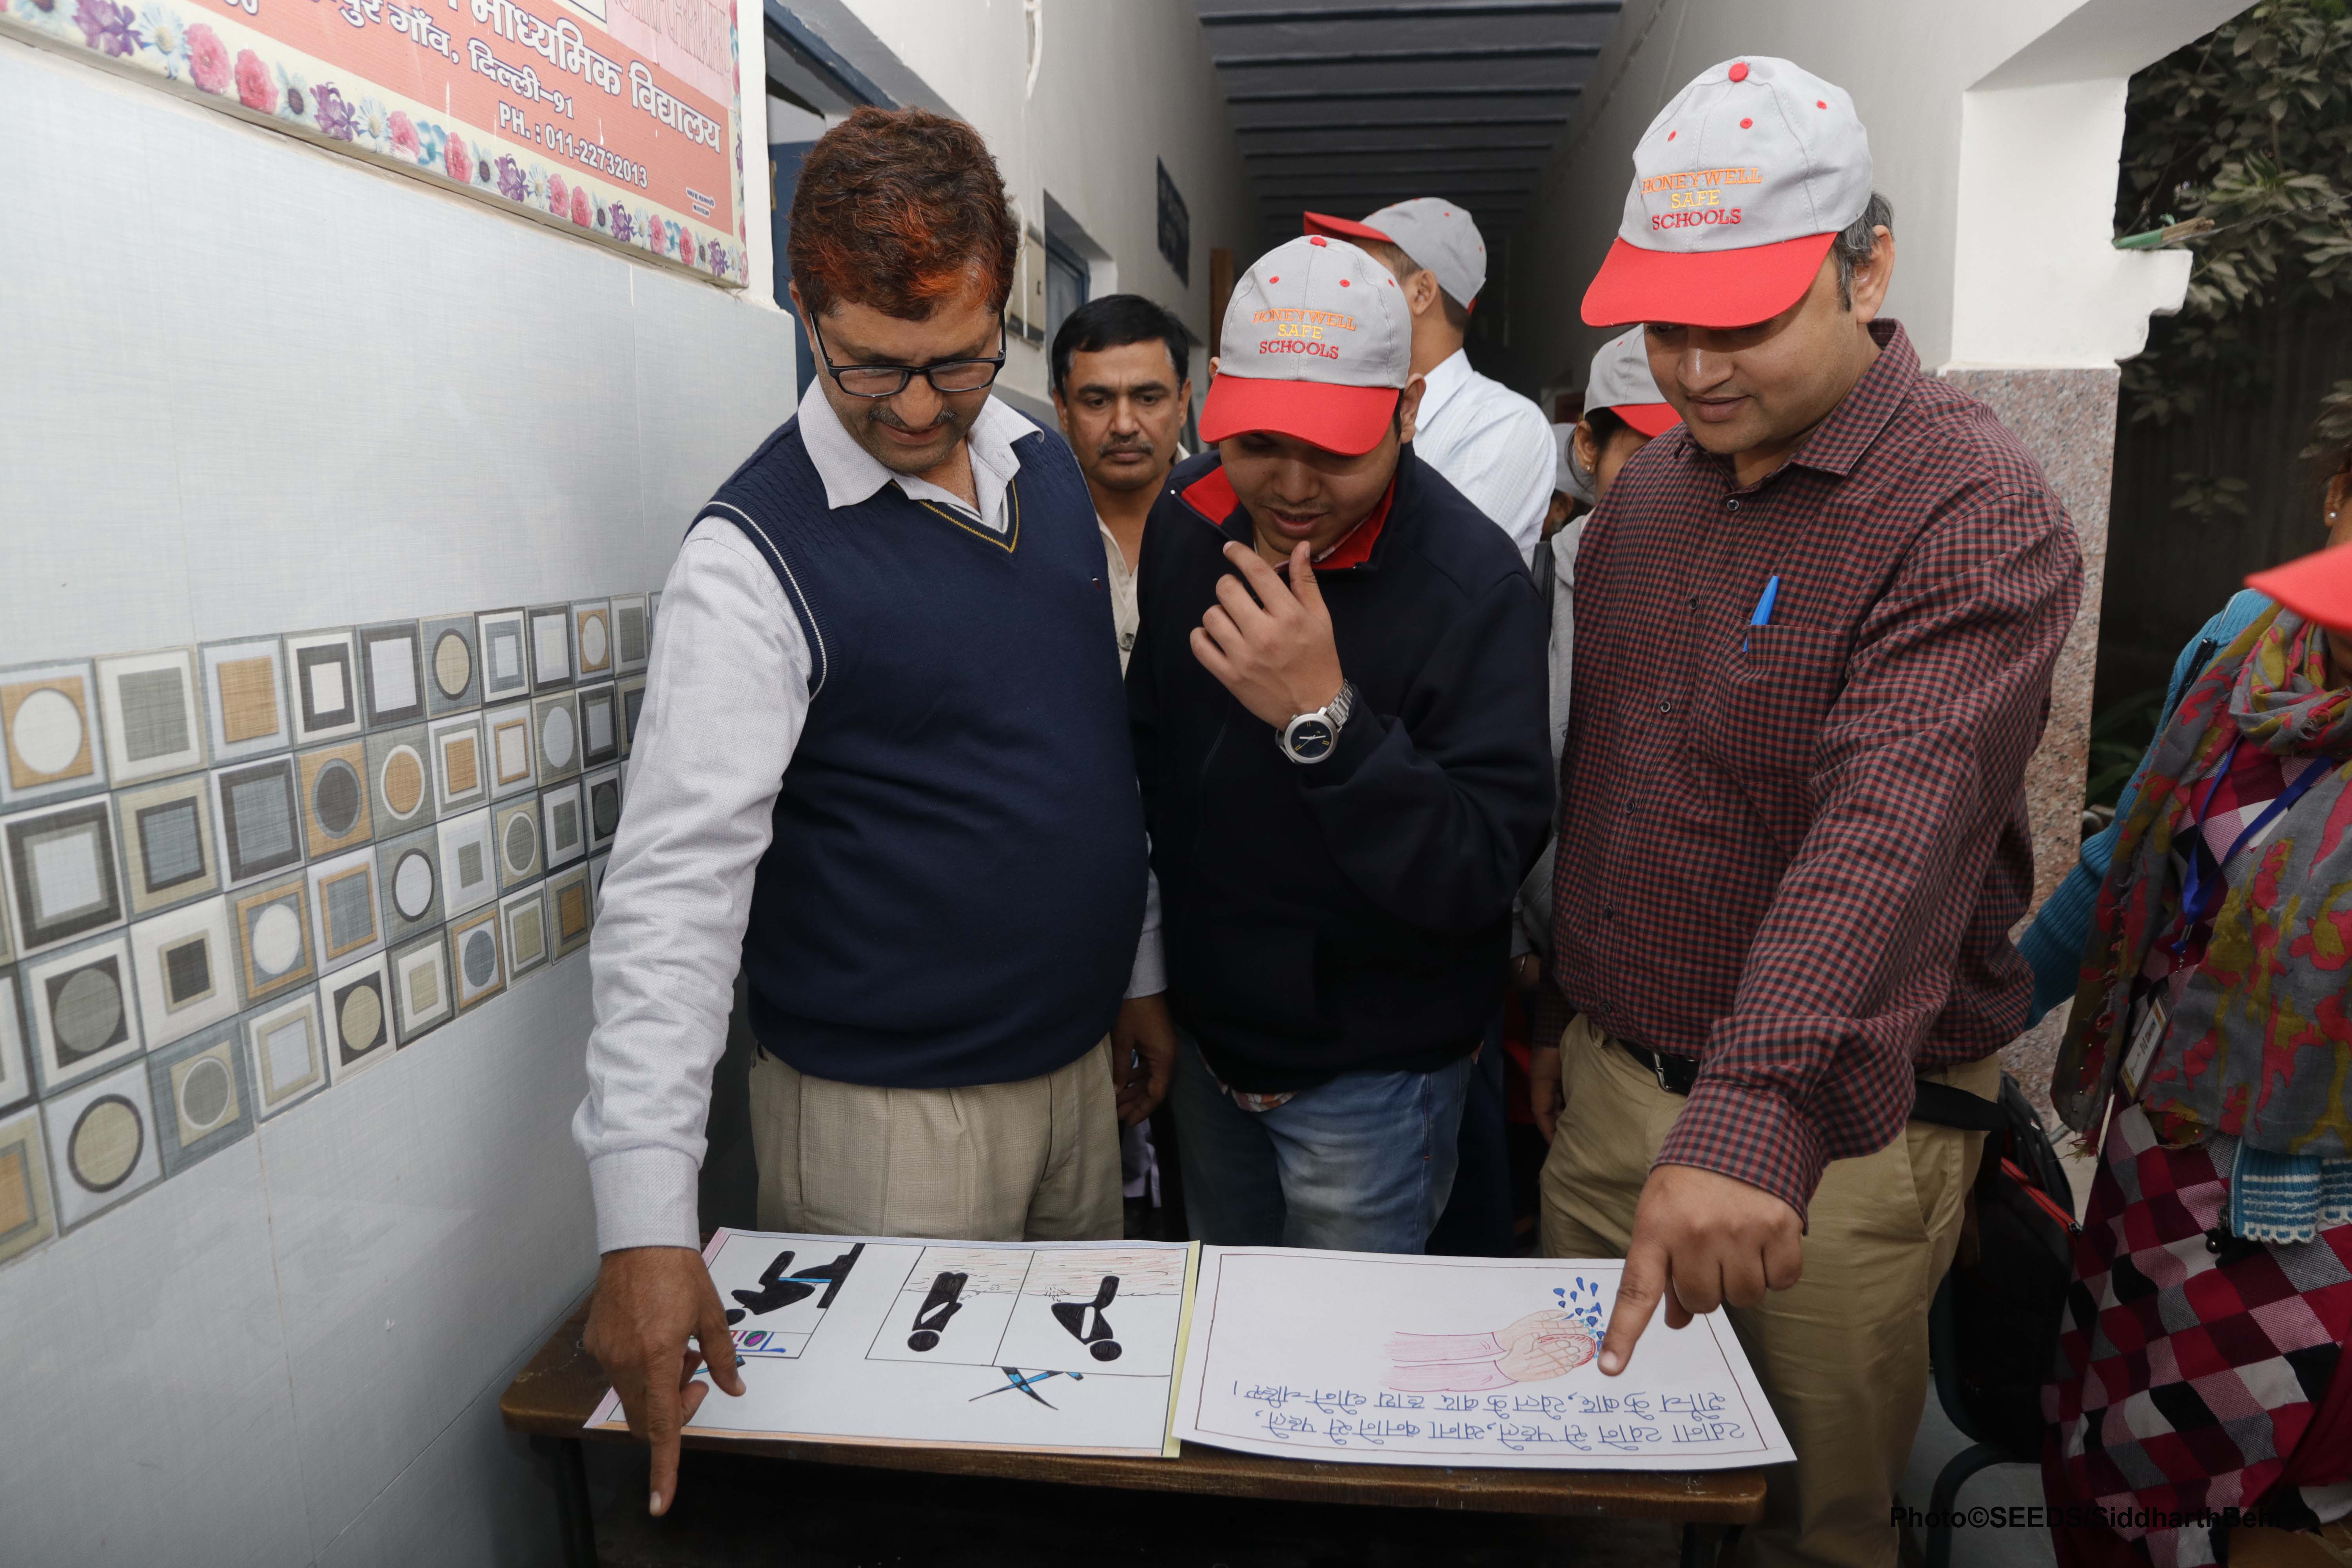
[726, 698]
[1505, 467]
[1149, 976]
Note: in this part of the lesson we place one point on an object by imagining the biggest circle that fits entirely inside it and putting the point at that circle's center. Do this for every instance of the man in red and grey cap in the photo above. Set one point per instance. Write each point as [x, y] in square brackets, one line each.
[1490, 443]
[1337, 702]
[1815, 627]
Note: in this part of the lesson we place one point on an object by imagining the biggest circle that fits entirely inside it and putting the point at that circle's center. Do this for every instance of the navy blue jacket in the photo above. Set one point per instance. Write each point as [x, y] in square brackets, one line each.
[955, 887]
[1353, 914]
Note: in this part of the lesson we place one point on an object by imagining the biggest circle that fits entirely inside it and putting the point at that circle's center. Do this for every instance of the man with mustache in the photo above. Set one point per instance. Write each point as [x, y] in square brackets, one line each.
[1121, 390]
[883, 769]
[1337, 694]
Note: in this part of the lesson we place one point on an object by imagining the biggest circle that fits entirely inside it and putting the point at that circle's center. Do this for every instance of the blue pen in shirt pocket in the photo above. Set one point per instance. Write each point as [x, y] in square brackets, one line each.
[1763, 615]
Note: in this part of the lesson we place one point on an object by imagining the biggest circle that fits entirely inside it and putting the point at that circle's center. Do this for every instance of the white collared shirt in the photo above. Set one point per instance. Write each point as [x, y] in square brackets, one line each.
[1492, 444]
[726, 699]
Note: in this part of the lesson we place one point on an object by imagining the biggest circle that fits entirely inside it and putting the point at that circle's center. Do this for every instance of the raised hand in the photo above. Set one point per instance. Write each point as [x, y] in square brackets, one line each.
[1275, 652]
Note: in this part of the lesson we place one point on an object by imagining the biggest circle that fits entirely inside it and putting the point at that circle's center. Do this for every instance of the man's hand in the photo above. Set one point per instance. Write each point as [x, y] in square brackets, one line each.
[648, 1300]
[1143, 1028]
[1278, 660]
[1701, 1240]
[1545, 1096]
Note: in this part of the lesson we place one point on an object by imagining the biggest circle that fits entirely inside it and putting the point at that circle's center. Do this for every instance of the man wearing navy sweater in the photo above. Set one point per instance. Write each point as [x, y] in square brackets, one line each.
[883, 769]
[1338, 706]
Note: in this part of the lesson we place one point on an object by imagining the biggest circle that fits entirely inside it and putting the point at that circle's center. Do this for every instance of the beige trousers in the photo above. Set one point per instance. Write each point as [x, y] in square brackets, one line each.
[1843, 1354]
[1034, 1161]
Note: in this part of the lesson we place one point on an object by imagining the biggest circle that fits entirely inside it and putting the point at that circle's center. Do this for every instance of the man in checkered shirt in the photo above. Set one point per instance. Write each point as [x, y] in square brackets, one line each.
[1815, 628]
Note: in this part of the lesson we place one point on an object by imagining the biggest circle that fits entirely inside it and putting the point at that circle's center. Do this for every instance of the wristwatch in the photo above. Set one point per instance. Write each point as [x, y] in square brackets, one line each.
[1313, 737]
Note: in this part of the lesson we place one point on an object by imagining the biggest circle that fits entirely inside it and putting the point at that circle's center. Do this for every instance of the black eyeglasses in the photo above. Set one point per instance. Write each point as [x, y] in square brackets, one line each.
[890, 380]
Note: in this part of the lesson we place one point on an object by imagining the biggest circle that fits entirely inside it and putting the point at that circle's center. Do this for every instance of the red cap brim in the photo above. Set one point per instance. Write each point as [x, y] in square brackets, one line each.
[1342, 229]
[1348, 420]
[1649, 418]
[1703, 289]
[2317, 587]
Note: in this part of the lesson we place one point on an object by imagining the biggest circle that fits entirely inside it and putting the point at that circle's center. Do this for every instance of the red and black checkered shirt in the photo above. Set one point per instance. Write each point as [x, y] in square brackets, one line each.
[1795, 850]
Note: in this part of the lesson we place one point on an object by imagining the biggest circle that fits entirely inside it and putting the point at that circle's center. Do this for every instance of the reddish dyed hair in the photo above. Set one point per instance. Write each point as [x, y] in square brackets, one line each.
[899, 211]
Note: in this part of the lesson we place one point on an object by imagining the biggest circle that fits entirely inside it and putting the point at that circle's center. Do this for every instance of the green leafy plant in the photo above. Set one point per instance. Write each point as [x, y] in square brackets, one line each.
[2251, 128]
[2119, 736]
[2203, 496]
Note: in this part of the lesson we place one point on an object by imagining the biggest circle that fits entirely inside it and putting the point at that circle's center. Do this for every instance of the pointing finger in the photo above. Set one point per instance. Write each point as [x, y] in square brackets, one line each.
[1303, 580]
[1638, 1289]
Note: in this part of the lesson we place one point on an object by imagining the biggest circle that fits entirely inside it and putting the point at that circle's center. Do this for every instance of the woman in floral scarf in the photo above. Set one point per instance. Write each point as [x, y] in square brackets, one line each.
[2211, 1047]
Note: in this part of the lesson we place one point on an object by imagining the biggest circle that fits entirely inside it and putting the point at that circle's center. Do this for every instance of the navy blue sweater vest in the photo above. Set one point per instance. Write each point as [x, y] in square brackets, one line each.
[955, 887]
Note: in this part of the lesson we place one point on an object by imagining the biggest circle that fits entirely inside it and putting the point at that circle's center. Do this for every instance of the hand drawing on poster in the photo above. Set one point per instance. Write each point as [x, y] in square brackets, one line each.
[1067, 1347]
[1457, 1362]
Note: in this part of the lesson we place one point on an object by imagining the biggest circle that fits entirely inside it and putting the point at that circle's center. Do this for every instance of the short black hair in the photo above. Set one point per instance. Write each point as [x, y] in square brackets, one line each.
[1114, 322]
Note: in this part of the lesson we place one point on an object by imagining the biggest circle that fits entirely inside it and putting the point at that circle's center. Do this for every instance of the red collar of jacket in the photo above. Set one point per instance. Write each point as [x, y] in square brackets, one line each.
[1211, 495]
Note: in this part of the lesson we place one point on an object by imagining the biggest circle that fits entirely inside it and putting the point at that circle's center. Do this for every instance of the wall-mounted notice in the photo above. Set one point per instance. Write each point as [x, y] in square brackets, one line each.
[1457, 1360]
[1055, 1347]
[613, 118]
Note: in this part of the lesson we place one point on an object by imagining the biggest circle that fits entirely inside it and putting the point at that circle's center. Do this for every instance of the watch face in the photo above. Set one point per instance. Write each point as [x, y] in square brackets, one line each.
[1310, 739]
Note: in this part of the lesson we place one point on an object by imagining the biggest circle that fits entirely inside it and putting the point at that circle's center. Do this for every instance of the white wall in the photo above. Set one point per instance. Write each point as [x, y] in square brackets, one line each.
[1994, 128]
[1117, 85]
[254, 388]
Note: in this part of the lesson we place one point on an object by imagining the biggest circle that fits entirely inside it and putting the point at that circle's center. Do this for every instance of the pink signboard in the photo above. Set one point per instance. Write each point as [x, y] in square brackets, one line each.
[612, 118]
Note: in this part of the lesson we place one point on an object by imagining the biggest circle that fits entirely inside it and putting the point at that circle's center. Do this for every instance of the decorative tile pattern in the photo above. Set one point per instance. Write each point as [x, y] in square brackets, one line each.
[335, 783]
[513, 755]
[149, 704]
[28, 1217]
[286, 1052]
[523, 918]
[566, 819]
[469, 876]
[600, 727]
[478, 957]
[260, 821]
[203, 1095]
[505, 654]
[408, 873]
[83, 1015]
[555, 720]
[15, 1064]
[166, 834]
[453, 664]
[358, 1016]
[324, 684]
[629, 697]
[49, 743]
[592, 639]
[271, 929]
[61, 874]
[550, 647]
[400, 779]
[461, 773]
[633, 639]
[603, 793]
[344, 918]
[515, 831]
[423, 999]
[103, 1135]
[245, 698]
[187, 969]
[391, 674]
[571, 910]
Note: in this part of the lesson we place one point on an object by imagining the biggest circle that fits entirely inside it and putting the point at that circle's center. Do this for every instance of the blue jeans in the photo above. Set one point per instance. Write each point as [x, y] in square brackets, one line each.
[1361, 1163]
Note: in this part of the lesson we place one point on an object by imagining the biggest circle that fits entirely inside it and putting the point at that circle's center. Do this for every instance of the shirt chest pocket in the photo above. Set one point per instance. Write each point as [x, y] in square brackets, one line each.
[1763, 704]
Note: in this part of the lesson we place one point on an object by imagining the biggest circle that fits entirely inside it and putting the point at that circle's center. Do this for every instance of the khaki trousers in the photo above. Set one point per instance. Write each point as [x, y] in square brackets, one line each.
[1843, 1354]
[1033, 1161]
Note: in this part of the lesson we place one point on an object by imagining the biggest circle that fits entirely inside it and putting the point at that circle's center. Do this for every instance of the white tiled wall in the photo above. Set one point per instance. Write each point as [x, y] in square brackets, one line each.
[251, 388]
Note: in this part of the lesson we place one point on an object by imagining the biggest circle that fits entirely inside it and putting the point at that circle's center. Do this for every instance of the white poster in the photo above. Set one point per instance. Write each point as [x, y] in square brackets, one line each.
[1383, 1359]
[1054, 1347]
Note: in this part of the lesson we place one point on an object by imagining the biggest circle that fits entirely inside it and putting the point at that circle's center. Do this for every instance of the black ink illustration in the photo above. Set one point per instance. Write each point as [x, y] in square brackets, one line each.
[1097, 1334]
[780, 1287]
[938, 1307]
[1027, 1381]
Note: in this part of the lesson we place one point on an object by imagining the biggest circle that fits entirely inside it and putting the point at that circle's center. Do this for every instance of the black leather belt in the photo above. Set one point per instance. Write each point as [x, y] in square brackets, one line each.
[1937, 1104]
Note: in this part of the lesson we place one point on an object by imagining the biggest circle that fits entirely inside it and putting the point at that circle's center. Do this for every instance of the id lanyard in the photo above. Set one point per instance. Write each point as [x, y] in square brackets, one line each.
[2200, 893]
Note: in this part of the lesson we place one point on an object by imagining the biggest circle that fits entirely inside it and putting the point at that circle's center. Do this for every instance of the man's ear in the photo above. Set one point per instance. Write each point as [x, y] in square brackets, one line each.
[1870, 278]
[1409, 404]
[1062, 414]
[1212, 370]
[1588, 450]
[1421, 291]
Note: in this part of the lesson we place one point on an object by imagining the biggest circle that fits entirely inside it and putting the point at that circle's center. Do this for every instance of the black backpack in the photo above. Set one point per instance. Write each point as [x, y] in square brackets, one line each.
[1993, 1333]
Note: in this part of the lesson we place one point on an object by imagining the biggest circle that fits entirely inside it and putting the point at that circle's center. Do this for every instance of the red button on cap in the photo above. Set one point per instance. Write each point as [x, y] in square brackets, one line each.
[1318, 239]
[1748, 125]
[1739, 71]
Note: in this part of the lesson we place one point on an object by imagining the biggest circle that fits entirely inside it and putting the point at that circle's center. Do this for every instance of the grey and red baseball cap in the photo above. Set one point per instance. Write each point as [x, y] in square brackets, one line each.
[2317, 586]
[1740, 186]
[1621, 380]
[1317, 343]
[1436, 232]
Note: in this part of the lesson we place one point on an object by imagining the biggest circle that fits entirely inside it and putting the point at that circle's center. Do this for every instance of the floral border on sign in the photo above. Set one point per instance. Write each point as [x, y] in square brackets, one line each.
[265, 78]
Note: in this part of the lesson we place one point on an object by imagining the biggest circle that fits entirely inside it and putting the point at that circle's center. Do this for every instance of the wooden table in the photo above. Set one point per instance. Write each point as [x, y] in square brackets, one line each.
[551, 1400]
